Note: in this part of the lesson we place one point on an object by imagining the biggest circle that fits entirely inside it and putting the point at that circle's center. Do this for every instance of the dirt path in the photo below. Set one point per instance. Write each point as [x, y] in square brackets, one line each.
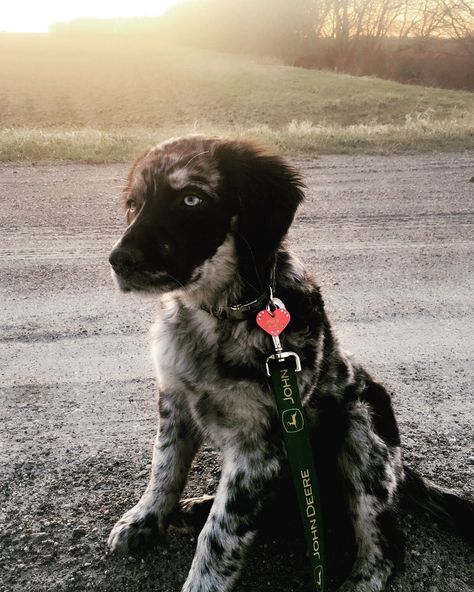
[391, 239]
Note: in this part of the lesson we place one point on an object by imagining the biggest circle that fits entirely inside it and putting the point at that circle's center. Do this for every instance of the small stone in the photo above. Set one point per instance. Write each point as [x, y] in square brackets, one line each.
[78, 533]
[38, 536]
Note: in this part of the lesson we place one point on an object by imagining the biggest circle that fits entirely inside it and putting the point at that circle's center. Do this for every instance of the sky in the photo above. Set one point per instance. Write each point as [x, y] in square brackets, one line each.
[37, 15]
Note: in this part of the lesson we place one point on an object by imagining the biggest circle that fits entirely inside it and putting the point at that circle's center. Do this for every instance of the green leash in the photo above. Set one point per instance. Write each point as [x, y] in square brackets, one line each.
[281, 368]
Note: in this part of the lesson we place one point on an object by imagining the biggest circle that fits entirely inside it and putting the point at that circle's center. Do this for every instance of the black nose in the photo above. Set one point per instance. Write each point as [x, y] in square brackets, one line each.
[125, 259]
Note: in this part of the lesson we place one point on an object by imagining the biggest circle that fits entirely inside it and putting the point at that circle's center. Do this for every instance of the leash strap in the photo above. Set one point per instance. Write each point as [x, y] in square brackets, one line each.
[281, 368]
[300, 457]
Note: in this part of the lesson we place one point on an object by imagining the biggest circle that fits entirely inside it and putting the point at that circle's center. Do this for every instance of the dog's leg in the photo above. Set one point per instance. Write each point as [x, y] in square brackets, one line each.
[176, 444]
[247, 475]
[372, 470]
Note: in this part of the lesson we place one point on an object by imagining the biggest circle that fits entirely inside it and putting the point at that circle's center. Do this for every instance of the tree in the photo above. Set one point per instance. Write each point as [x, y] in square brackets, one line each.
[458, 23]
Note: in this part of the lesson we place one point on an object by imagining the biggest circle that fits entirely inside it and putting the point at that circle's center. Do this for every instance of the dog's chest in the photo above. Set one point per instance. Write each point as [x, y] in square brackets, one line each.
[191, 353]
[193, 350]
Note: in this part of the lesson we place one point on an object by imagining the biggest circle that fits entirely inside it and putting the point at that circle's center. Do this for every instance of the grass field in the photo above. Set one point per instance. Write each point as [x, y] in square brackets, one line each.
[102, 100]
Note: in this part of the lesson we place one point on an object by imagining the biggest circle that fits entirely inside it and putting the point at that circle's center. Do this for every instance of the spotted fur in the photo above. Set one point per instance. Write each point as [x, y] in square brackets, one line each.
[209, 356]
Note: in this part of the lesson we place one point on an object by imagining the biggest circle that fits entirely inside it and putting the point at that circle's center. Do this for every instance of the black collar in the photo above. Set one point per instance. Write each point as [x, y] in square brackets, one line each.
[241, 309]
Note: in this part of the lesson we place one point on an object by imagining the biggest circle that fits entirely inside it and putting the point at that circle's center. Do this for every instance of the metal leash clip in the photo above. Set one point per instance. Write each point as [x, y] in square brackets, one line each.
[279, 355]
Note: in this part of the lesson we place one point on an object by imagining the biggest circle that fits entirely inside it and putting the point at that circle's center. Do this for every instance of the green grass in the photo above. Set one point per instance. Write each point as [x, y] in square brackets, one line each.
[105, 100]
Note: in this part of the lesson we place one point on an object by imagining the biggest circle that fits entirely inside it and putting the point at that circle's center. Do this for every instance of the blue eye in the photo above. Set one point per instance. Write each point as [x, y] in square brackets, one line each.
[192, 201]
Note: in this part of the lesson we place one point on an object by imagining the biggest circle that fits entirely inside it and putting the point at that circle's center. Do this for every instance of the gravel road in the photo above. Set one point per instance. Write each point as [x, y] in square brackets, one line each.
[392, 242]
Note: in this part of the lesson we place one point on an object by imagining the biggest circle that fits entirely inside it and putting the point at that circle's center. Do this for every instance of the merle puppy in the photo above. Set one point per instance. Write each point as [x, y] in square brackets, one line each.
[206, 222]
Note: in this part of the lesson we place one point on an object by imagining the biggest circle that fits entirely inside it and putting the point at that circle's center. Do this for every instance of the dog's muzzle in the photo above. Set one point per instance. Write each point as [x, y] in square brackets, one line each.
[126, 260]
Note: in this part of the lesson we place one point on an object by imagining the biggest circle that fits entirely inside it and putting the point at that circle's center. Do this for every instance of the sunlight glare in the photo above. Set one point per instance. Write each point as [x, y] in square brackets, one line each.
[33, 16]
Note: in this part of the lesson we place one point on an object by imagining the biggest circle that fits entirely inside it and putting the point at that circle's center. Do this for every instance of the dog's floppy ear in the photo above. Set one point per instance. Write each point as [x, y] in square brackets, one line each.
[268, 191]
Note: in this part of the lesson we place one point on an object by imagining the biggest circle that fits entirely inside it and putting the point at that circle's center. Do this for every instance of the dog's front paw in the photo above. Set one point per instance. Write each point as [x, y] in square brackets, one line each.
[136, 530]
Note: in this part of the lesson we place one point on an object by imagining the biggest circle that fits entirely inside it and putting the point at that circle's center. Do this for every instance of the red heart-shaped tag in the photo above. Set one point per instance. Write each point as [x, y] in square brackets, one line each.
[274, 322]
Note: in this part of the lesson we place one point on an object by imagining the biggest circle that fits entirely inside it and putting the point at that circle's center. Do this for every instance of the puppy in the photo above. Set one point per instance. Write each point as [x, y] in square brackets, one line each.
[206, 225]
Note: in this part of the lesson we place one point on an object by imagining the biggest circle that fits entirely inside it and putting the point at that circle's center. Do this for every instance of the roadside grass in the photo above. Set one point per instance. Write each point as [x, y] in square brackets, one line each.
[105, 100]
[296, 139]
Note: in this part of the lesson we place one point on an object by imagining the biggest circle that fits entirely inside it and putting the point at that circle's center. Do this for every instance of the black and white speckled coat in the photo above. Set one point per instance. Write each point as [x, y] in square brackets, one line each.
[206, 225]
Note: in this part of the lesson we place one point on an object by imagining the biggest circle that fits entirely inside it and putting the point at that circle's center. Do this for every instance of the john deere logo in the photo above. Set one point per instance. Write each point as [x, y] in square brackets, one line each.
[292, 420]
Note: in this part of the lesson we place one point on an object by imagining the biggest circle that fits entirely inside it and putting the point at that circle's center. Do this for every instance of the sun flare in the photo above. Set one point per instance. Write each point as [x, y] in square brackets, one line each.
[31, 16]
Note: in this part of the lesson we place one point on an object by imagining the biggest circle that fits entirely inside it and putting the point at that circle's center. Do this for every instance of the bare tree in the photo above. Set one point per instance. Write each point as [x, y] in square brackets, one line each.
[421, 18]
[459, 23]
[357, 24]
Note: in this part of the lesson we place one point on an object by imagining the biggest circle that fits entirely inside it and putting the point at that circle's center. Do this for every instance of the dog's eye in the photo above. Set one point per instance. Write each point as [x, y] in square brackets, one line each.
[192, 201]
[131, 205]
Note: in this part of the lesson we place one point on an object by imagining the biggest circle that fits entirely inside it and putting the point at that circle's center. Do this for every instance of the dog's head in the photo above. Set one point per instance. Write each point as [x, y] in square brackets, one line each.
[195, 200]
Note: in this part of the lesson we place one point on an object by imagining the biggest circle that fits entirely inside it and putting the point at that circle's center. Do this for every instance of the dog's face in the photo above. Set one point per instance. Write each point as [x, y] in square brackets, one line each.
[187, 197]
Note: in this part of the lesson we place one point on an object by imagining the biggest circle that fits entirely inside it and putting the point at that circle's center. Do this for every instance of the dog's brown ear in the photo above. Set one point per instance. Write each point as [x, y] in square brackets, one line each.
[268, 192]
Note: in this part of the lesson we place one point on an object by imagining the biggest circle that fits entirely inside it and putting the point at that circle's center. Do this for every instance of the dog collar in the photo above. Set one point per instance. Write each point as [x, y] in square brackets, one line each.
[240, 309]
